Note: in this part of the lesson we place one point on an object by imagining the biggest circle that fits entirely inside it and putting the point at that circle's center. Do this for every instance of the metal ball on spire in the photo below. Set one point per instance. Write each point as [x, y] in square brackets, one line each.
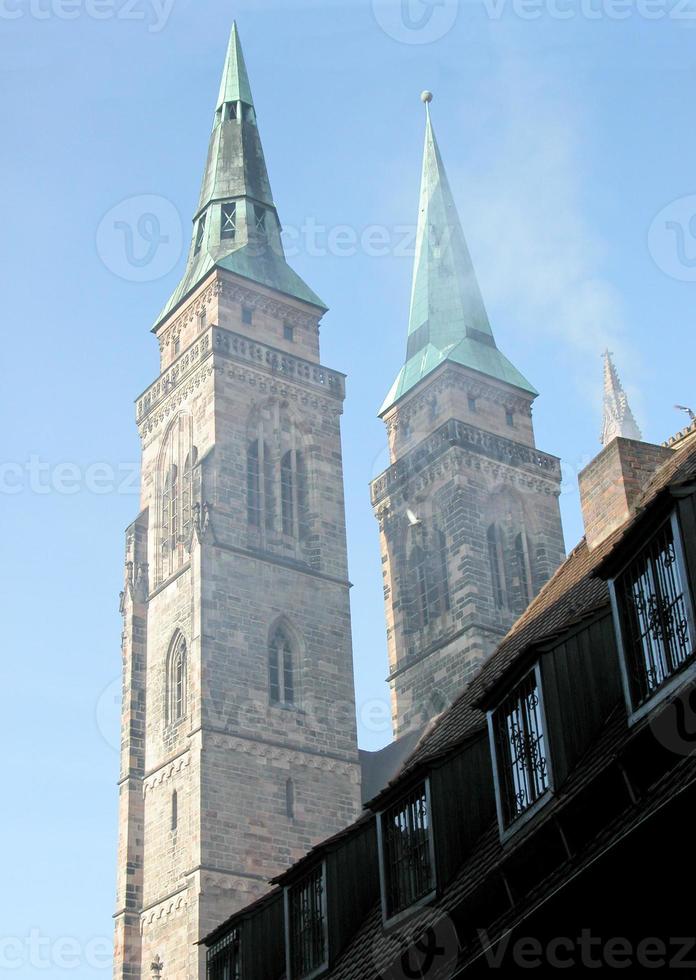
[426, 97]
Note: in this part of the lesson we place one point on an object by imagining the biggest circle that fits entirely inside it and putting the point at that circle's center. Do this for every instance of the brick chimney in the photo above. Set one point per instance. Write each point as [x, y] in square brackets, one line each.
[612, 483]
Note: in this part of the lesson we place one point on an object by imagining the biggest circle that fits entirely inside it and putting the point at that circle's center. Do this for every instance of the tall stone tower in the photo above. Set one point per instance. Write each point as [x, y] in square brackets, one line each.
[239, 745]
[468, 510]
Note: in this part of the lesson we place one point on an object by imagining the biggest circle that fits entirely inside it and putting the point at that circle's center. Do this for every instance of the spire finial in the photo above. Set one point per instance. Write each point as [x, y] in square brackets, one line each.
[619, 421]
[447, 318]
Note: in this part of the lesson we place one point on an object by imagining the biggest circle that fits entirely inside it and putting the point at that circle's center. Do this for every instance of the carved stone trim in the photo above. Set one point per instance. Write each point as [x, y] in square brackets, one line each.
[531, 466]
[449, 379]
[235, 292]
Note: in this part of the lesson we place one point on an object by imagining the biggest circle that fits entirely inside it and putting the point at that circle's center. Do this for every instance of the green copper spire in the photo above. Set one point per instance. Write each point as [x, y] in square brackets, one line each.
[448, 319]
[236, 225]
[234, 85]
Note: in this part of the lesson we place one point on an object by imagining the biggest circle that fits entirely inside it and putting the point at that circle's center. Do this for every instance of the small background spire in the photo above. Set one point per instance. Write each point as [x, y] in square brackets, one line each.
[619, 421]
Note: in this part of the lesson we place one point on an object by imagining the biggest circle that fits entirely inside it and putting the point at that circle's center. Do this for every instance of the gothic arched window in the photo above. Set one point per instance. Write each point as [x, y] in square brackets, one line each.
[176, 680]
[281, 668]
[428, 585]
[187, 494]
[260, 480]
[523, 571]
[496, 559]
[293, 494]
[170, 518]
[176, 490]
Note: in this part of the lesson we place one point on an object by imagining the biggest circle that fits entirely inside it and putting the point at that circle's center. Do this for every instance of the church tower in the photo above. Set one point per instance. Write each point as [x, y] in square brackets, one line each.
[239, 748]
[468, 510]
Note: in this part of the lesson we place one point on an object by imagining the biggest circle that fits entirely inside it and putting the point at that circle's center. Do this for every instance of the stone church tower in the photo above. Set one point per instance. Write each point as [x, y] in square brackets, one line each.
[468, 510]
[239, 747]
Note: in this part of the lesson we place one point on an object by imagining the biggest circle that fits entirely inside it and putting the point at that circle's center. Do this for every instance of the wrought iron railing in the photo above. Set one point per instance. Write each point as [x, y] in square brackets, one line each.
[407, 851]
[523, 772]
[224, 959]
[655, 631]
[307, 925]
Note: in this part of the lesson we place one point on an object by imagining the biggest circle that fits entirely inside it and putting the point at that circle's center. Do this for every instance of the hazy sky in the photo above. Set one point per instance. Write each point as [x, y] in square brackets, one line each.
[567, 127]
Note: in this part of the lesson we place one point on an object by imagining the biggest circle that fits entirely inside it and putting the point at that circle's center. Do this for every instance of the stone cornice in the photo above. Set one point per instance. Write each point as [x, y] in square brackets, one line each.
[268, 304]
[279, 363]
[234, 292]
[189, 370]
[456, 377]
[530, 464]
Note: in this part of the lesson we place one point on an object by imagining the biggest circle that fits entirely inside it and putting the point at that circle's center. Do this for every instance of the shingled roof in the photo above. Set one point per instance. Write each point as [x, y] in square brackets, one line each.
[571, 594]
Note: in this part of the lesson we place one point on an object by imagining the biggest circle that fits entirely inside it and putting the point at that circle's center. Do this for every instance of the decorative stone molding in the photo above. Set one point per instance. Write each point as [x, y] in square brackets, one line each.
[235, 293]
[170, 378]
[278, 362]
[166, 773]
[478, 446]
[190, 312]
[449, 380]
[282, 756]
[166, 908]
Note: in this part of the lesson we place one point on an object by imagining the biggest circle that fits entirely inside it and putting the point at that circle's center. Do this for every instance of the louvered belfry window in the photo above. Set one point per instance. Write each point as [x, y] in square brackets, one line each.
[653, 609]
[520, 749]
[307, 924]
[224, 958]
[407, 851]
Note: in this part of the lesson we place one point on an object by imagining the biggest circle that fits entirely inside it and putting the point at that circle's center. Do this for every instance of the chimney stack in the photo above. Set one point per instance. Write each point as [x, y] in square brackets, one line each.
[612, 483]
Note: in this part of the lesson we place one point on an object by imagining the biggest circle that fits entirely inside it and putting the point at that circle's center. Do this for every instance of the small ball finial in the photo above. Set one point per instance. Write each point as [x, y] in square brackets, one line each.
[426, 97]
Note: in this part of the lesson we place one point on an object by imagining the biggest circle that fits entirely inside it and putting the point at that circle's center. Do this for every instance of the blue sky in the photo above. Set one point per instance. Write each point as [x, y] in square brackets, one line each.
[567, 130]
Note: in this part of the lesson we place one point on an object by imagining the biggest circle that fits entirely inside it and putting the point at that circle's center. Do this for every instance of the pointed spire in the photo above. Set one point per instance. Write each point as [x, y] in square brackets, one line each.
[236, 224]
[234, 85]
[447, 319]
[619, 420]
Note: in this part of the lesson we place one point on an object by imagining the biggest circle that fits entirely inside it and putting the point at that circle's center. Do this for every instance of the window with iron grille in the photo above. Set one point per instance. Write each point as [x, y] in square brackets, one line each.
[224, 958]
[260, 219]
[307, 926]
[200, 235]
[408, 871]
[228, 220]
[520, 750]
[653, 608]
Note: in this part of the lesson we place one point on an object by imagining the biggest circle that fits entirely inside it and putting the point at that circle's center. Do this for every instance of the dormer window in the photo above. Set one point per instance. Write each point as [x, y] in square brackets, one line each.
[228, 220]
[653, 617]
[407, 855]
[224, 958]
[260, 219]
[200, 235]
[306, 925]
[519, 748]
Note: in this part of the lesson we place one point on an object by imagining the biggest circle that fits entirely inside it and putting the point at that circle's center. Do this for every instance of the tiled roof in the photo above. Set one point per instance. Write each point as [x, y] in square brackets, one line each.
[570, 595]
